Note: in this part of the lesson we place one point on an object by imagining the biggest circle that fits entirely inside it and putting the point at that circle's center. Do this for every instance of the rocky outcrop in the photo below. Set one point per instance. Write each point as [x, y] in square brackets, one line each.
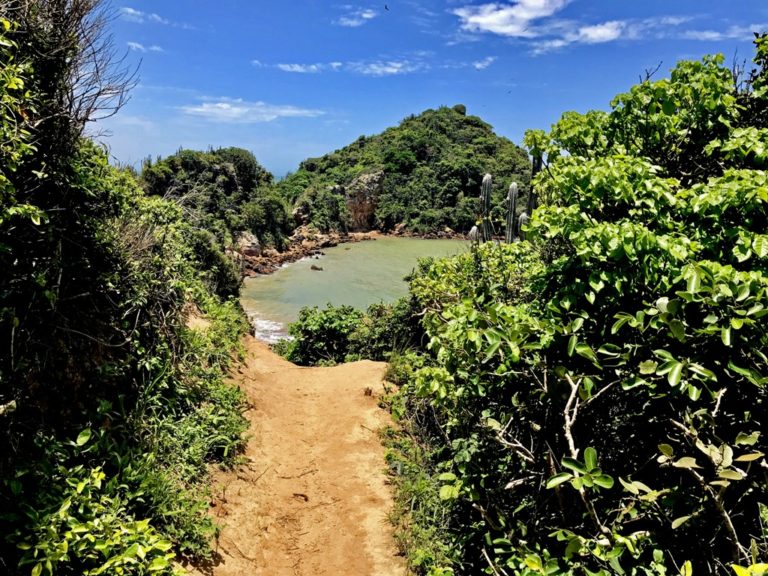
[300, 215]
[305, 242]
[248, 245]
[362, 195]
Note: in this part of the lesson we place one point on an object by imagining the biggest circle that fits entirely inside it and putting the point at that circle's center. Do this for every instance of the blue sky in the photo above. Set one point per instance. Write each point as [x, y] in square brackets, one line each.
[299, 78]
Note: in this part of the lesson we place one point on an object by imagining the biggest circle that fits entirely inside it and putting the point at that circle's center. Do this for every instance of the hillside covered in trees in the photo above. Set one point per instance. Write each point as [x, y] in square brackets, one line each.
[424, 174]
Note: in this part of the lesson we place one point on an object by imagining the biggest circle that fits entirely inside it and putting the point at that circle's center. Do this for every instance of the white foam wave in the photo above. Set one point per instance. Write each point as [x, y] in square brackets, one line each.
[268, 331]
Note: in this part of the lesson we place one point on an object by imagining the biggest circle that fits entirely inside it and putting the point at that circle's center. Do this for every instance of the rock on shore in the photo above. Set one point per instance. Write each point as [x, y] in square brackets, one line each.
[304, 242]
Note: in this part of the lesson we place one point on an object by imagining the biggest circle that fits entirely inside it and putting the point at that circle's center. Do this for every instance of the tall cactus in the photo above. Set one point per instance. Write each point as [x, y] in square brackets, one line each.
[485, 202]
[511, 209]
[538, 162]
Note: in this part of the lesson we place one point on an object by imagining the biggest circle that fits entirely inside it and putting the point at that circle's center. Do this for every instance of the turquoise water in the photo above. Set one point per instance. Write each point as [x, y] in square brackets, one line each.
[358, 274]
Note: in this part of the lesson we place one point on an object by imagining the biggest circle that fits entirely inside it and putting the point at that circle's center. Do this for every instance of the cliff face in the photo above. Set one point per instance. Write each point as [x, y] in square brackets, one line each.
[362, 196]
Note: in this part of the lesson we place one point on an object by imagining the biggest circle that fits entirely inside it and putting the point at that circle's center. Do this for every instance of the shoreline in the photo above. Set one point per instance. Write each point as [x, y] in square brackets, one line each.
[306, 243]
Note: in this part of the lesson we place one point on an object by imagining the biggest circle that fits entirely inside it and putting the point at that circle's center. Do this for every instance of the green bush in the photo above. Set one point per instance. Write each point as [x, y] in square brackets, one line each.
[599, 393]
[343, 334]
[322, 335]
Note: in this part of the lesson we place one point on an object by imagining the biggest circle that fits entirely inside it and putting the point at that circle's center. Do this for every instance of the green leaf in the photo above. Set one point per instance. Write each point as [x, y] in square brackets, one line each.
[447, 477]
[590, 458]
[748, 439]
[629, 486]
[750, 457]
[729, 474]
[38, 569]
[583, 349]
[725, 335]
[604, 481]
[449, 492]
[558, 479]
[648, 367]
[686, 462]
[677, 522]
[83, 437]
[675, 375]
[760, 245]
[678, 329]
[574, 465]
[572, 344]
[667, 450]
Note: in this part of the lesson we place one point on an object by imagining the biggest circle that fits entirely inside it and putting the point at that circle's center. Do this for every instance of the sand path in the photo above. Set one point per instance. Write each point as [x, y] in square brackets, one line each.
[312, 498]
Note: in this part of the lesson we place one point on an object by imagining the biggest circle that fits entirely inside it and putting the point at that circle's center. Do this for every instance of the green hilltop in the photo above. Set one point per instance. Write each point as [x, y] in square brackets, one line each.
[423, 175]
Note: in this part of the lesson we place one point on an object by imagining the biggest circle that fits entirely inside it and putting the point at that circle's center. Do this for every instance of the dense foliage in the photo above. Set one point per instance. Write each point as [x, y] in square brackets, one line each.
[594, 399]
[223, 192]
[432, 166]
[342, 333]
[110, 406]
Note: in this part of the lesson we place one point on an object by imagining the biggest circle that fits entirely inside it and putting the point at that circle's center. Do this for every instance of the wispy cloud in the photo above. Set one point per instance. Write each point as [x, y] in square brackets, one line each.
[302, 68]
[539, 24]
[233, 110]
[484, 63]
[732, 33]
[594, 34]
[382, 67]
[387, 67]
[356, 16]
[138, 17]
[137, 47]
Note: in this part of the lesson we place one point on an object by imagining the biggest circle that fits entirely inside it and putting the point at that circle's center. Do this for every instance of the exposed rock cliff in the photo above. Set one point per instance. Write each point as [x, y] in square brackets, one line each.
[362, 196]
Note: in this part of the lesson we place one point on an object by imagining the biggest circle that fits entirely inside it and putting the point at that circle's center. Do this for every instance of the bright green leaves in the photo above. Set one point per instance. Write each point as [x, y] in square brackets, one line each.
[452, 487]
[644, 321]
[760, 569]
[747, 147]
[582, 475]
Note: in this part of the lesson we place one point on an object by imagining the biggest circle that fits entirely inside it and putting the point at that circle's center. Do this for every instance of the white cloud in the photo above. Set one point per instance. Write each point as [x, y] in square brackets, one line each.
[484, 63]
[157, 19]
[138, 17]
[138, 47]
[131, 15]
[240, 111]
[301, 68]
[383, 67]
[514, 20]
[356, 17]
[536, 22]
[599, 33]
[732, 33]
[592, 34]
[386, 67]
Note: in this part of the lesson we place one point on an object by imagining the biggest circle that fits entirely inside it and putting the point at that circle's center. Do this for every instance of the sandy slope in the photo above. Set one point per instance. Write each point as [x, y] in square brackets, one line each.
[312, 499]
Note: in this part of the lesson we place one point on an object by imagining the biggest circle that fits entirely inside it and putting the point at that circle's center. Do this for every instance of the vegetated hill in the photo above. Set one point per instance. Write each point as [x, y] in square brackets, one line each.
[223, 193]
[424, 173]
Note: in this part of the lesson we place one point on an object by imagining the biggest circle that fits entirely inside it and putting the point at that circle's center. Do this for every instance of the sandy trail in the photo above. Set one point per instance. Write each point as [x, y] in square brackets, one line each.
[312, 498]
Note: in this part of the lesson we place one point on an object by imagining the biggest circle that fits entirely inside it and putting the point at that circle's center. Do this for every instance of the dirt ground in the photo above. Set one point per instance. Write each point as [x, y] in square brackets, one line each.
[312, 498]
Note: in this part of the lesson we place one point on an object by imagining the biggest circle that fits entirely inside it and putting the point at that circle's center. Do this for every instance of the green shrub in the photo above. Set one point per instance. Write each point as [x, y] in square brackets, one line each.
[597, 395]
[344, 334]
[322, 335]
